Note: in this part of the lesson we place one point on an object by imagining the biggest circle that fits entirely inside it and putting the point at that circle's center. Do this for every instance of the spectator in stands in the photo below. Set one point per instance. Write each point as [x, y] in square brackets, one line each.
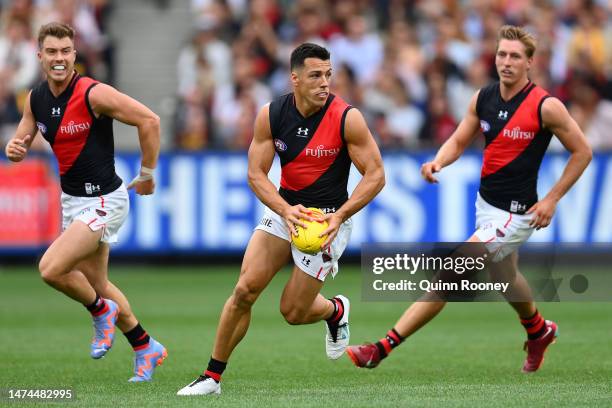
[592, 113]
[399, 121]
[18, 63]
[18, 72]
[439, 122]
[588, 48]
[358, 47]
[403, 62]
[236, 104]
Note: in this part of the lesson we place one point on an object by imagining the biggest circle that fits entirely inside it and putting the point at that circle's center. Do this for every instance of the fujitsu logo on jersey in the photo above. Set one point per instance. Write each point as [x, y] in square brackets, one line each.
[321, 151]
[71, 128]
[517, 134]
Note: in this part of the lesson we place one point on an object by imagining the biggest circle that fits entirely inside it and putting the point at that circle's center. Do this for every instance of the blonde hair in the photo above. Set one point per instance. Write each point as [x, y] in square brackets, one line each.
[515, 33]
[58, 30]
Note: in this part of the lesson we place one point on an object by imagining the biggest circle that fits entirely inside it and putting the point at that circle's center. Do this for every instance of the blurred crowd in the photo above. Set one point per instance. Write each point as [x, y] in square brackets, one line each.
[19, 66]
[410, 66]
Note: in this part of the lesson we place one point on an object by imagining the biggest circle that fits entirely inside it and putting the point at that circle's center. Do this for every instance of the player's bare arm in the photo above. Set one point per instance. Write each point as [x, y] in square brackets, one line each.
[106, 100]
[365, 155]
[17, 148]
[454, 147]
[260, 158]
[557, 119]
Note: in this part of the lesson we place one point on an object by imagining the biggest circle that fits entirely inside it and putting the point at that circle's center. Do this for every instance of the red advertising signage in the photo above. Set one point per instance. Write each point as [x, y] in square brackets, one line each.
[29, 204]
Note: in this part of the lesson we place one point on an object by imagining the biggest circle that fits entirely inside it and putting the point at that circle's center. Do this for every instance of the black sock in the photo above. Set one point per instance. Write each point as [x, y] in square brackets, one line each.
[97, 307]
[389, 342]
[138, 337]
[215, 369]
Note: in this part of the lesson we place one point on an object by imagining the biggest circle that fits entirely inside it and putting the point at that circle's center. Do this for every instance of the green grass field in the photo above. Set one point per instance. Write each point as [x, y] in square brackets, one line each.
[469, 356]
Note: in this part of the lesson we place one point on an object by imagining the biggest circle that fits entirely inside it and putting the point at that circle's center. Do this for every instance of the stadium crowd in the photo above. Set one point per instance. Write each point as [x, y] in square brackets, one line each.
[410, 66]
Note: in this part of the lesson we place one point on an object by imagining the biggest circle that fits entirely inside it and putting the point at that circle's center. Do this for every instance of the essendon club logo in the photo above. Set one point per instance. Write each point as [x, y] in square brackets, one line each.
[321, 151]
[280, 145]
[72, 128]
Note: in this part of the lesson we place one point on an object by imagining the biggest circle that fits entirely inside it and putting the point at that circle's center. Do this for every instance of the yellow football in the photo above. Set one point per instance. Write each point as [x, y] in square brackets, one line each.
[307, 239]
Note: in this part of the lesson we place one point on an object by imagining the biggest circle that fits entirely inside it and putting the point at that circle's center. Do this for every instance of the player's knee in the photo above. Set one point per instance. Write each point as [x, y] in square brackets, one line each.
[244, 295]
[101, 288]
[292, 315]
[50, 271]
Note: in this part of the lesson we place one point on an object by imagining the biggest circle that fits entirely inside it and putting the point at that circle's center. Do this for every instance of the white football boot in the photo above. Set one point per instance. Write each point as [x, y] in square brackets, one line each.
[201, 386]
[336, 344]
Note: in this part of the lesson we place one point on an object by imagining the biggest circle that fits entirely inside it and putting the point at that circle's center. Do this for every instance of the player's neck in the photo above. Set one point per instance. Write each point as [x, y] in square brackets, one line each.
[509, 91]
[58, 87]
[306, 109]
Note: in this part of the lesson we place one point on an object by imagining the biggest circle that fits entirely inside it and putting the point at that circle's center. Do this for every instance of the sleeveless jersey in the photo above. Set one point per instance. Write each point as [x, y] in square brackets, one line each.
[515, 143]
[312, 151]
[82, 143]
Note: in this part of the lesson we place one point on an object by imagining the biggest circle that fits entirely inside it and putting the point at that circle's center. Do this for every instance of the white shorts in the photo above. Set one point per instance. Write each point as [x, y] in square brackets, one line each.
[502, 231]
[318, 265]
[107, 211]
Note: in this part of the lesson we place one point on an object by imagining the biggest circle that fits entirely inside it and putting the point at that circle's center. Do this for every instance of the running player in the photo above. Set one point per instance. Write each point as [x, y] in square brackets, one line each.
[316, 135]
[518, 120]
[74, 114]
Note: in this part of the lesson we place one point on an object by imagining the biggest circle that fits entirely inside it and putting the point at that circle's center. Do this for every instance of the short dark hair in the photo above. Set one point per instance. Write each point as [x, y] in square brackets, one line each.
[307, 50]
[59, 30]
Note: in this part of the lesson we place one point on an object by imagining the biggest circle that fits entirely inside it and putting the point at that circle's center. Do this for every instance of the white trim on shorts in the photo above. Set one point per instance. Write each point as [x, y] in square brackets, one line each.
[107, 212]
[502, 232]
[318, 265]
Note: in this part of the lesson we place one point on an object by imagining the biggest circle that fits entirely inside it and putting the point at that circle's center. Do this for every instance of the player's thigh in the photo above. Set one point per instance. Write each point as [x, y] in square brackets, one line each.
[95, 267]
[473, 247]
[265, 255]
[300, 291]
[76, 243]
[504, 270]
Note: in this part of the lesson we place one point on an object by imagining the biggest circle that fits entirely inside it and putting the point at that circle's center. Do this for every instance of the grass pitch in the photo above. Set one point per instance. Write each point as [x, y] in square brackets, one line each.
[470, 355]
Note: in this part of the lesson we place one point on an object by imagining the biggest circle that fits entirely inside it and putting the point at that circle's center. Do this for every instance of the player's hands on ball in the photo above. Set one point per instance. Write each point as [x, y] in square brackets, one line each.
[428, 169]
[17, 149]
[543, 212]
[295, 215]
[334, 221]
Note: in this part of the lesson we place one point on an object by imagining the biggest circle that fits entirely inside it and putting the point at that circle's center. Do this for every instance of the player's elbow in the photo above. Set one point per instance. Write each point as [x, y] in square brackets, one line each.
[154, 122]
[253, 177]
[585, 153]
[379, 178]
[588, 153]
[150, 124]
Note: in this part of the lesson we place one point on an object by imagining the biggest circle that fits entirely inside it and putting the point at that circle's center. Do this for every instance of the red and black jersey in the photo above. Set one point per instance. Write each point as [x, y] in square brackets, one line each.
[313, 154]
[82, 143]
[515, 143]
